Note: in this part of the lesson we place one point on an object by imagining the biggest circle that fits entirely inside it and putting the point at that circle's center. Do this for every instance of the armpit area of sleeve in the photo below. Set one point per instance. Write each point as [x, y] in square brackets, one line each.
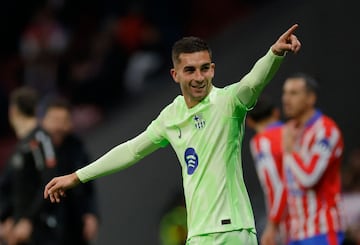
[155, 137]
[254, 82]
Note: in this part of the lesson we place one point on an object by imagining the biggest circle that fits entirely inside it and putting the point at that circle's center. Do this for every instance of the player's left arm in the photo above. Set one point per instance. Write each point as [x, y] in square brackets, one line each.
[253, 83]
[250, 87]
[309, 166]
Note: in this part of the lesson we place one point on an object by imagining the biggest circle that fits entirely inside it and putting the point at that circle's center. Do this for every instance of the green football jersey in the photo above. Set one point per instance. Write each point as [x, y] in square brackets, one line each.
[207, 140]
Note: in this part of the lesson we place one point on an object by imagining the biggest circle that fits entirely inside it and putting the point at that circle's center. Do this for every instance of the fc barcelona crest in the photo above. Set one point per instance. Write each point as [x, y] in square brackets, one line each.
[199, 121]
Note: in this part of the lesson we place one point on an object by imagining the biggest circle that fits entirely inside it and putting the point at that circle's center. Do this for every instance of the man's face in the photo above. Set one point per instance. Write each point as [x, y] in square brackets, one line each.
[57, 122]
[296, 100]
[194, 73]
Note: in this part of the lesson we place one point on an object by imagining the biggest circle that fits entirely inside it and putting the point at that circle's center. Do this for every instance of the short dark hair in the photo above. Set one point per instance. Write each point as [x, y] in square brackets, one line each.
[262, 110]
[311, 84]
[26, 99]
[189, 45]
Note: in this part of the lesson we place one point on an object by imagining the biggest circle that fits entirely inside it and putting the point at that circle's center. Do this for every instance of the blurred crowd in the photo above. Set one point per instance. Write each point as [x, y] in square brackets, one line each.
[98, 54]
[81, 51]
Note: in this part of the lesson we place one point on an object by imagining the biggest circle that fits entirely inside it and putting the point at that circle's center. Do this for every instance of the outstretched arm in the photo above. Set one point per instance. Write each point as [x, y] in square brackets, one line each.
[120, 157]
[264, 69]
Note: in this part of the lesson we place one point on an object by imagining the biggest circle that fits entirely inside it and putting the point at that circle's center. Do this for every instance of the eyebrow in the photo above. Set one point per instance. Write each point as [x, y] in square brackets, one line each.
[202, 66]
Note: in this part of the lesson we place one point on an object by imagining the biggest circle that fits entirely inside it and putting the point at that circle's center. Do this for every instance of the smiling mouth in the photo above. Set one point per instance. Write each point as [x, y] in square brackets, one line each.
[198, 87]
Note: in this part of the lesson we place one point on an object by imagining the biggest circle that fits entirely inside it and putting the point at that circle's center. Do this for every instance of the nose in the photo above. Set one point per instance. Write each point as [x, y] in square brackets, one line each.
[198, 76]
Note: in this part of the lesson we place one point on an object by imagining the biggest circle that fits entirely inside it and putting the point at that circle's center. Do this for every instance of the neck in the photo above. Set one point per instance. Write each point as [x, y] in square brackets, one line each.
[305, 117]
[190, 102]
[25, 126]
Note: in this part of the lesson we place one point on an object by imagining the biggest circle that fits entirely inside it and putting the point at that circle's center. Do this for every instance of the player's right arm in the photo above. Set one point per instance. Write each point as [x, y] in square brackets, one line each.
[118, 158]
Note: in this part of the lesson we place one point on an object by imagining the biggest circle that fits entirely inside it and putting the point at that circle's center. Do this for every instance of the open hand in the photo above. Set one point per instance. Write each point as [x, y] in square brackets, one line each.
[55, 189]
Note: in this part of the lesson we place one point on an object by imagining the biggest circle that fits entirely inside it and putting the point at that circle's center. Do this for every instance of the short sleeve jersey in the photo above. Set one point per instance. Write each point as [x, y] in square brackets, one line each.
[207, 140]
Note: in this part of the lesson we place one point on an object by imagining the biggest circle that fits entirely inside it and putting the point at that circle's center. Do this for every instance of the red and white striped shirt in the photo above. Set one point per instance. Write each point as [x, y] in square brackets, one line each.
[266, 150]
[313, 184]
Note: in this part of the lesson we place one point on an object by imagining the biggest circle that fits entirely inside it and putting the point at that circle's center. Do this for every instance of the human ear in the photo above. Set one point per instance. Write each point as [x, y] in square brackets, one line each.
[173, 74]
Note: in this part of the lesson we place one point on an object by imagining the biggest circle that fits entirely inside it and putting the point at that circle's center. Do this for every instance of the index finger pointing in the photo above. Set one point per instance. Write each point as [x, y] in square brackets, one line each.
[290, 31]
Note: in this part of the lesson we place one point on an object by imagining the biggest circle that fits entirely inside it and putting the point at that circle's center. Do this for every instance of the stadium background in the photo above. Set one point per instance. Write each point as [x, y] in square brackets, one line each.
[239, 32]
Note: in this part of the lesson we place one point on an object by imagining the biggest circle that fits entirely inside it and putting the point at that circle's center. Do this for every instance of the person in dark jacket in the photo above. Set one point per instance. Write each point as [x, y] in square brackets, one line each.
[25, 217]
[80, 218]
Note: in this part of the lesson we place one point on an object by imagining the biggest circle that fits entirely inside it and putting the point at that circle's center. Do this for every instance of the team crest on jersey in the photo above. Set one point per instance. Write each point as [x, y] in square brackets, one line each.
[199, 121]
[260, 158]
[191, 159]
[324, 145]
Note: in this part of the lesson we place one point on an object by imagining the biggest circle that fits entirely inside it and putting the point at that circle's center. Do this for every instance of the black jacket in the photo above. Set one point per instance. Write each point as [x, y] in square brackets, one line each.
[72, 155]
[30, 167]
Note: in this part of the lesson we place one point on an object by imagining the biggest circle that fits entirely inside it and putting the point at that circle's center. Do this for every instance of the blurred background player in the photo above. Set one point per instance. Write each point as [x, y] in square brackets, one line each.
[25, 217]
[80, 209]
[313, 148]
[266, 151]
